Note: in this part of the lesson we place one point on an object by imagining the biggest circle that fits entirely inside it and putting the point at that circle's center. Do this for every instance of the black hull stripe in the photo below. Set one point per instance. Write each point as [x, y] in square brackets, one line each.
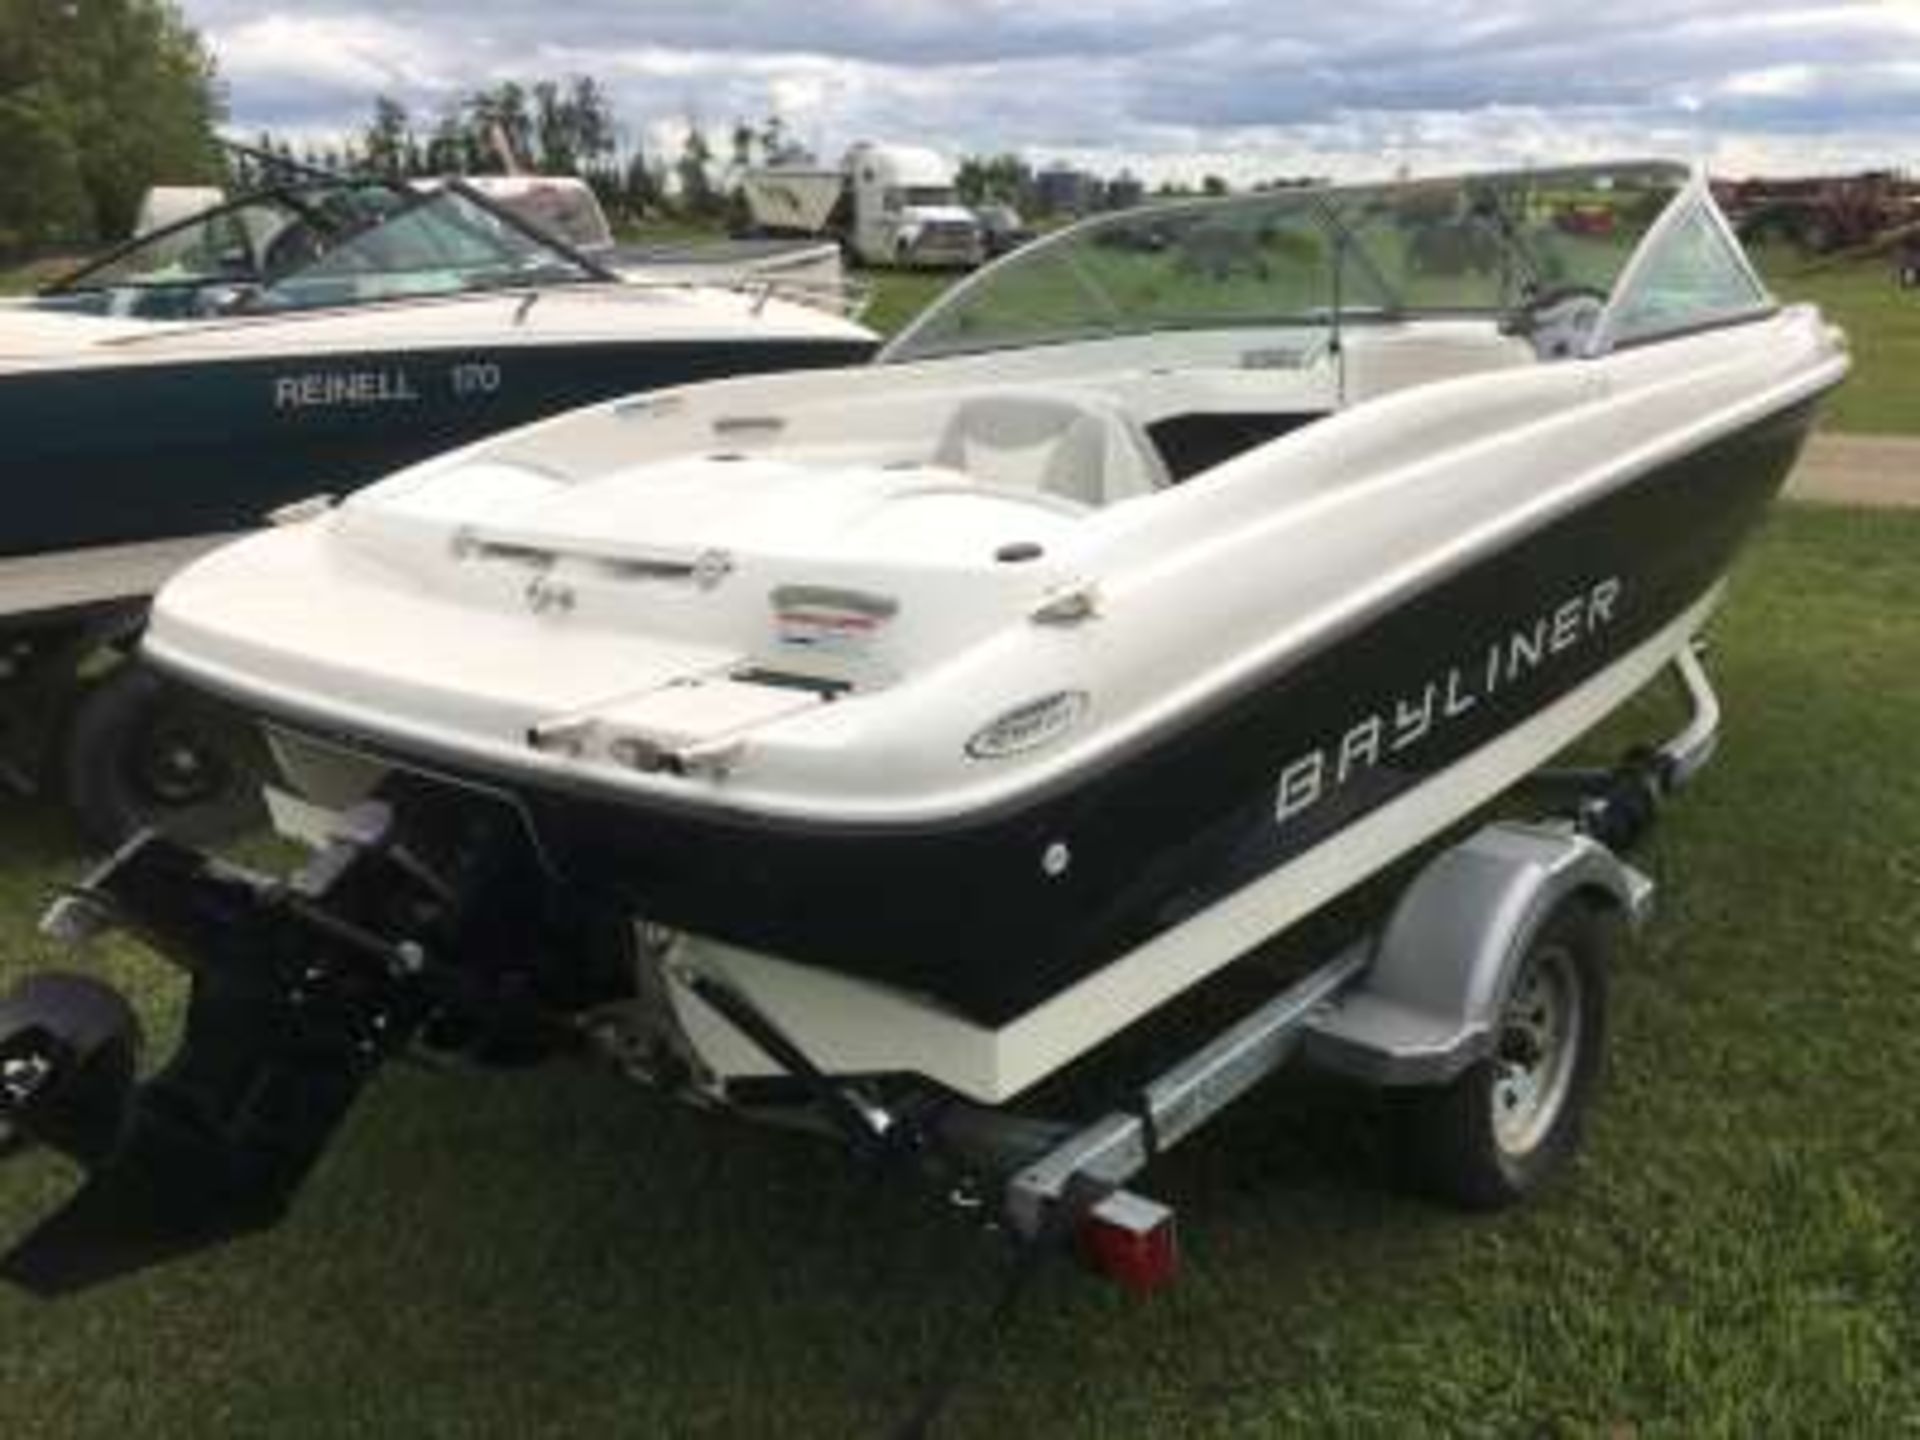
[964, 910]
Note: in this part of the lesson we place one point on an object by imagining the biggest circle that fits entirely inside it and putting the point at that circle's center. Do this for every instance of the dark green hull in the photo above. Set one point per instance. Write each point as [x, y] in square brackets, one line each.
[121, 455]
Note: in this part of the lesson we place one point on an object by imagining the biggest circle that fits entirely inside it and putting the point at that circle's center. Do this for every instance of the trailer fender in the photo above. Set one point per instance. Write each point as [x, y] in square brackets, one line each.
[1426, 1007]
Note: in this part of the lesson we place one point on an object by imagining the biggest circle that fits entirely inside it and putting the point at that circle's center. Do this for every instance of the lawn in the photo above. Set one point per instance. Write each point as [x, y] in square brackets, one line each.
[21, 279]
[899, 295]
[1882, 323]
[554, 1253]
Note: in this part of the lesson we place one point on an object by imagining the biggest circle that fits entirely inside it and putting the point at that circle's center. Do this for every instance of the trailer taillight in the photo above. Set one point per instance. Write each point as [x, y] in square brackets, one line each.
[1129, 1239]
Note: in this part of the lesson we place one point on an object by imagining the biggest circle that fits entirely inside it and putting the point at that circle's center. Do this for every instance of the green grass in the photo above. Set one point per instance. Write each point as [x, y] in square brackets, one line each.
[899, 295]
[1882, 322]
[22, 279]
[554, 1253]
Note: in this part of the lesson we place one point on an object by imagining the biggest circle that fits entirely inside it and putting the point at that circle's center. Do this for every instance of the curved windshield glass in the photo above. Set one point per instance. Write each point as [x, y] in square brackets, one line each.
[1692, 275]
[1464, 245]
[244, 241]
[439, 243]
[326, 244]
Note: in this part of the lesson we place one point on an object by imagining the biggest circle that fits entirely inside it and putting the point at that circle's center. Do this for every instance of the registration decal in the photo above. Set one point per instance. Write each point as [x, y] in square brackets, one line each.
[819, 617]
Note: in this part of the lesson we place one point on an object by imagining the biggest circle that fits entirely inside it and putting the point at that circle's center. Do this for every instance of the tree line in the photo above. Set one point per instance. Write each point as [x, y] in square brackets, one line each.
[564, 126]
[98, 99]
[569, 127]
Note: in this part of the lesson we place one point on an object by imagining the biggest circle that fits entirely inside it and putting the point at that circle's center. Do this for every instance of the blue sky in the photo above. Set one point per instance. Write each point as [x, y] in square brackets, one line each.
[1172, 88]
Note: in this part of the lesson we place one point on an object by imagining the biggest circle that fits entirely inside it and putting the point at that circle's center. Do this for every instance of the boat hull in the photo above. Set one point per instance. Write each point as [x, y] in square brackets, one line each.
[139, 453]
[993, 913]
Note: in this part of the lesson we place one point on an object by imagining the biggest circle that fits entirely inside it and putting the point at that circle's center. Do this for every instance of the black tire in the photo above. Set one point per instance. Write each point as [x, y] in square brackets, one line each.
[142, 752]
[1455, 1150]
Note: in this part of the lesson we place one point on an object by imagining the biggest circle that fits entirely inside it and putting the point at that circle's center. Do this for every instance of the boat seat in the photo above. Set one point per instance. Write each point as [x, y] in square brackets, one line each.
[1068, 446]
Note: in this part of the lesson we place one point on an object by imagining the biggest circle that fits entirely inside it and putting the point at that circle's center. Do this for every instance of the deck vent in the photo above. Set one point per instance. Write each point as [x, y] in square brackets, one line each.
[788, 680]
[749, 426]
[529, 555]
[619, 568]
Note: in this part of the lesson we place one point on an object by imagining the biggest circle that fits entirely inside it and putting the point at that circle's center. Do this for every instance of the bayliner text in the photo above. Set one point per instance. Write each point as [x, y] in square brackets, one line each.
[1444, 700]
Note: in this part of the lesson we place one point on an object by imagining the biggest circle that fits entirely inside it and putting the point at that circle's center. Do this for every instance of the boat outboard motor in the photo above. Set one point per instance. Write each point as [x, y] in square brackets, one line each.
[301, 988]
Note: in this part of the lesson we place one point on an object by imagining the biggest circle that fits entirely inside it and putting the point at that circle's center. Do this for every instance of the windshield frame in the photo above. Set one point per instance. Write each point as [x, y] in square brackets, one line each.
[290, 195]
[1695, 200]
[1349, 251]
[286, 194]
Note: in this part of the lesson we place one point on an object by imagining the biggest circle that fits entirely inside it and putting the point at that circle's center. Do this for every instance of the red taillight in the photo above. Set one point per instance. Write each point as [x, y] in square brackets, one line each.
[1129, 1239]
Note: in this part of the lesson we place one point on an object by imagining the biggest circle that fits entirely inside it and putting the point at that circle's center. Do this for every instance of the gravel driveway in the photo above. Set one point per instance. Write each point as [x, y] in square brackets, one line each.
[1858, 470]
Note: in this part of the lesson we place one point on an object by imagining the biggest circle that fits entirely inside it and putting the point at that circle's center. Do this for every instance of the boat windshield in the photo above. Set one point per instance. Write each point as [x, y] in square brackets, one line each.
[1473, 245]
[323, 244]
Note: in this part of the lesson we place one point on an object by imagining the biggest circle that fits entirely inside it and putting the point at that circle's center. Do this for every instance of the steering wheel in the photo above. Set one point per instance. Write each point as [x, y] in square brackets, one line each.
[1557, 294]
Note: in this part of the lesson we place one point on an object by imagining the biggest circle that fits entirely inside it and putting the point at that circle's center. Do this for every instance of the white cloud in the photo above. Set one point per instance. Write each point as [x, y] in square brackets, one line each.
[341, 56]
[1243, 88]
[1774, 80]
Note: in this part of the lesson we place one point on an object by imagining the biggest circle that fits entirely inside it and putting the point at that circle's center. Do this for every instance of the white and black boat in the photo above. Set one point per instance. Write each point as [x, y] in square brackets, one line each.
[930, 723]
[309, 336]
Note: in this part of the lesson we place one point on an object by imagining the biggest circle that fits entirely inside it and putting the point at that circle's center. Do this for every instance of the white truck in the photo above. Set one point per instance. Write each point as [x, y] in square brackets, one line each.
[885, 204]
[806, 270]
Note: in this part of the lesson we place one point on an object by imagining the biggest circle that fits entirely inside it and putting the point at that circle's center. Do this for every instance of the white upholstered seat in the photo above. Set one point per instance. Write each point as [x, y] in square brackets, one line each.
[1064, 445]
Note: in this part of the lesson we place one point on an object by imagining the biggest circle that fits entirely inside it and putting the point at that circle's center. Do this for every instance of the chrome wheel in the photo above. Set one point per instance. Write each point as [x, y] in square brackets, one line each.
[1537, 1050]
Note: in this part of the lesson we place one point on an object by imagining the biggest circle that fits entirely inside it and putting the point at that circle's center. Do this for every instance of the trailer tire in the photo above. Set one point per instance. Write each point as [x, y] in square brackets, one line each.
[140, 752]
[1499, 1131]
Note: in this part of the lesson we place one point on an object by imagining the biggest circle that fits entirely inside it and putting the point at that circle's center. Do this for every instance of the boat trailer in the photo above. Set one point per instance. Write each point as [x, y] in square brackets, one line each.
[303, 986]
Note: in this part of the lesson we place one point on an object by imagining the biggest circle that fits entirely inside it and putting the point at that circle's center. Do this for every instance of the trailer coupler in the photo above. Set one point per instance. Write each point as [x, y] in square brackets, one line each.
[295, 1001]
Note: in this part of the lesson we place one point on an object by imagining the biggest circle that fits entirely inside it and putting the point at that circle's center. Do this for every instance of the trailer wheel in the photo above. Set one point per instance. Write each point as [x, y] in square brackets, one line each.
[1498, 1132]
[141, 752]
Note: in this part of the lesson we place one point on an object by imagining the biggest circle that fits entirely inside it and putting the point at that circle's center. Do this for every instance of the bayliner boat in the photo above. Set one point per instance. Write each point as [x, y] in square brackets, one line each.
[310, 336]
[912, 730]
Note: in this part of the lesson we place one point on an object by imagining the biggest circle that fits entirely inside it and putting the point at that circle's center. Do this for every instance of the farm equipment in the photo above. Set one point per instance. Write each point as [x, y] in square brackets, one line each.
[1821, 215]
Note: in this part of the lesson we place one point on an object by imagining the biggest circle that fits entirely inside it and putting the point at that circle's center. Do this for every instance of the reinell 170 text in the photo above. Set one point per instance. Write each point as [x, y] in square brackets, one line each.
[323, 389]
